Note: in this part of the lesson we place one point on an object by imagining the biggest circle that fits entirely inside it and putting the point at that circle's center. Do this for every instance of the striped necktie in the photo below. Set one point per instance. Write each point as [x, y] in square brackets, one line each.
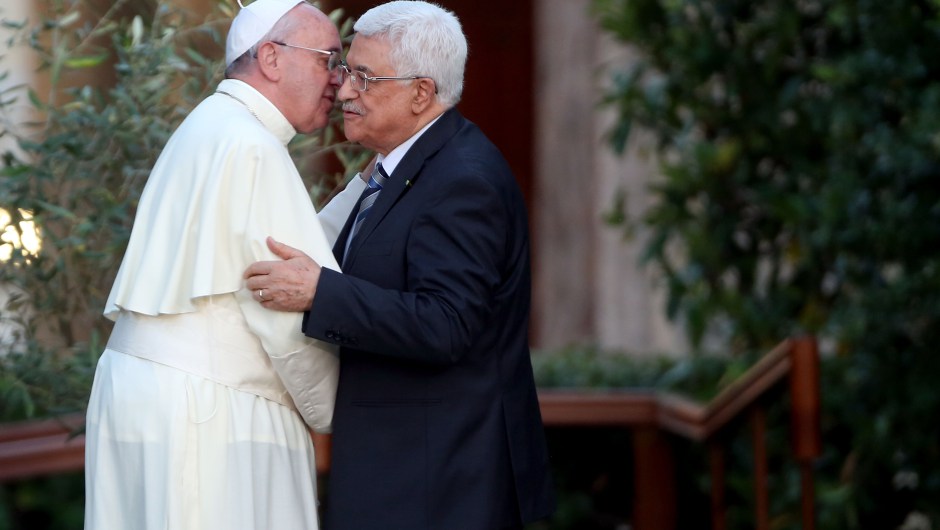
[369, 196]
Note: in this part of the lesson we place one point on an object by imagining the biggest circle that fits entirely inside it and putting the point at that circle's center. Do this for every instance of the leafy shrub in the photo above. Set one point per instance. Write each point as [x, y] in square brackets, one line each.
[799, 151]
[585, 367]
[48, 502]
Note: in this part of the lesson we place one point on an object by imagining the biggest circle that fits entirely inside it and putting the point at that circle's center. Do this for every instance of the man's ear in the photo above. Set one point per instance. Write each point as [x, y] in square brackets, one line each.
[269, 61]
[424, 95]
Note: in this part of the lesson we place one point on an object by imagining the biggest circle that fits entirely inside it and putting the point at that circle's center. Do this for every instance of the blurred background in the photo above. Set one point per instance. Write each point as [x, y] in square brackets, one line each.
[736, 242]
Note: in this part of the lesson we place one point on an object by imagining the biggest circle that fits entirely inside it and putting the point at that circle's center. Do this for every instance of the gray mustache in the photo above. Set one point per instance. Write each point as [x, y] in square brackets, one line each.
[350, 107]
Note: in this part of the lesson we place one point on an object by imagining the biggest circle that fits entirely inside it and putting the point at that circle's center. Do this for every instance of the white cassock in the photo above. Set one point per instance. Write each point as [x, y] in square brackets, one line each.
[196, 416]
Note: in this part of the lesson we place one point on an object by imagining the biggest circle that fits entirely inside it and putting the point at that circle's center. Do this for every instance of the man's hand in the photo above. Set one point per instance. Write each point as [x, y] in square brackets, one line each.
[287, 285]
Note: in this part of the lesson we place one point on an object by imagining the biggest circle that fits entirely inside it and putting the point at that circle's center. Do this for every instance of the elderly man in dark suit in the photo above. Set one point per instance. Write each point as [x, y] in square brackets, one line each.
[437, 424]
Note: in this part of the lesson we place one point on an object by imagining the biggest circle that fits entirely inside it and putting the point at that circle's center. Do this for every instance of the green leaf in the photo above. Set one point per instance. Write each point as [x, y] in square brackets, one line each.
[86, 61]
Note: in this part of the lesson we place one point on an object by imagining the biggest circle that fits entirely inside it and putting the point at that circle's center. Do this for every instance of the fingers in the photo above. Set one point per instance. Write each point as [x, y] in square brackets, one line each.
[283, 251]
[258, 268]
[256, 282]
[283, 285]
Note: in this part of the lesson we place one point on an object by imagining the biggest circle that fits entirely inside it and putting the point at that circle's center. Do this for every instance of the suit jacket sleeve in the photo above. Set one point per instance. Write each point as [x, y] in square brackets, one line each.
[453, 254]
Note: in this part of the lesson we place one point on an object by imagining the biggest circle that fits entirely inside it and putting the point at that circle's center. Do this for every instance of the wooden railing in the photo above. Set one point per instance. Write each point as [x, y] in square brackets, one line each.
[654, 416]
[41, 447]
[51, 446]
[36, 448]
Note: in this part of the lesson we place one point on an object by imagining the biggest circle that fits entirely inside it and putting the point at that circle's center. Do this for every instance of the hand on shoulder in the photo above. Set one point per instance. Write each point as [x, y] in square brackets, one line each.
[286, 285]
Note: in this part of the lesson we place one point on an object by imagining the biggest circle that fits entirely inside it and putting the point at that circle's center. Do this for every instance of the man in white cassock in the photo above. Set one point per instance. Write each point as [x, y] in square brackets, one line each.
[197, 414]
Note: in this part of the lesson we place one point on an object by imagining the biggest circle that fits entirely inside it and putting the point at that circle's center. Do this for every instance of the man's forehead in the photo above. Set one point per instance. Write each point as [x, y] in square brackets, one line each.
[368, 53]
[320, 33]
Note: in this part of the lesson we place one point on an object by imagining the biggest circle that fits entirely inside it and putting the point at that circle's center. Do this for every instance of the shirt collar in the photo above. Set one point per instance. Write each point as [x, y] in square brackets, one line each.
[390, 161]
[259, 107]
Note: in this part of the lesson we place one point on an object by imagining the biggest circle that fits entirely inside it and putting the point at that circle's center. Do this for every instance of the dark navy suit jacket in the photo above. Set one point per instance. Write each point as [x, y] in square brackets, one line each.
[437, 424]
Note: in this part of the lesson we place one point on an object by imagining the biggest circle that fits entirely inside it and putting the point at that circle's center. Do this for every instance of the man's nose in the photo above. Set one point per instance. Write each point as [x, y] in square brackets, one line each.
[346, 91]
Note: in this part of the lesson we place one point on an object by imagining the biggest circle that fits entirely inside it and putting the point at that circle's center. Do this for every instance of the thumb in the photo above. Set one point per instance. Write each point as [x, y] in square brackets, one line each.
[281, 250]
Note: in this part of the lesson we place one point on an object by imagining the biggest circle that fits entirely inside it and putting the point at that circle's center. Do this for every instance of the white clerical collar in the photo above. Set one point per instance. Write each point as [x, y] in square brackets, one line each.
[391, 160]
[259, 107]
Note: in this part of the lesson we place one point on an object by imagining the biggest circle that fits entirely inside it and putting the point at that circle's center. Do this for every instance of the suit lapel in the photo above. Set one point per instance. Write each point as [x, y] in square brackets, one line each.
[404, 177]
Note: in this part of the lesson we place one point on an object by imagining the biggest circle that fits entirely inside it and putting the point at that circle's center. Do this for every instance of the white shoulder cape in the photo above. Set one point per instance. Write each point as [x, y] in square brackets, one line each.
[223, 183]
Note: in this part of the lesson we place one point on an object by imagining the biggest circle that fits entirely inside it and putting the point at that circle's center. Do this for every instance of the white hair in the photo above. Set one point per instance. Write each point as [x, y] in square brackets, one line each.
[426, 40]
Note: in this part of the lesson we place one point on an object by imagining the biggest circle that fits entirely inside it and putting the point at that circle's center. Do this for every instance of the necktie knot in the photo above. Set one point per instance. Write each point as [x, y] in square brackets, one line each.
[378, 177]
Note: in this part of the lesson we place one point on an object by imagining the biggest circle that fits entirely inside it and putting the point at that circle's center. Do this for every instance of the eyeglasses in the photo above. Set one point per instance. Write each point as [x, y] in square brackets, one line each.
[360, 81]
[331, 63]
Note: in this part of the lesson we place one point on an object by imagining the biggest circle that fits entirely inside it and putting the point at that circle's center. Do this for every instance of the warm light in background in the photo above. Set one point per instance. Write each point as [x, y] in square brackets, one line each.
[10, 237]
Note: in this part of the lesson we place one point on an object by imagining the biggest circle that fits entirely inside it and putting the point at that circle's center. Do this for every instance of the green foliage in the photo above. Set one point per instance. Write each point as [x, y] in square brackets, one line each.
[48, 502]
[118, 85]
[697, 377]
[799, 150]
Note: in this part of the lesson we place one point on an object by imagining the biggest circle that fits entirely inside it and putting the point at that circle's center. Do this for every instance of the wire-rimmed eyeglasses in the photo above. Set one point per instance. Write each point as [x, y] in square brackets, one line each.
[331, 63]
[360, 81]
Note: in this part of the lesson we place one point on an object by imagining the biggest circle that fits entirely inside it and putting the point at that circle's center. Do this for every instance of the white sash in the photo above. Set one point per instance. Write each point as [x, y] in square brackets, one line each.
[214, 342]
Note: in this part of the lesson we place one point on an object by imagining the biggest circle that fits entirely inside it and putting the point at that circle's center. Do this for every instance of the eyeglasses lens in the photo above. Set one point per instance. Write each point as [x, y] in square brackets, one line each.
[356, 79]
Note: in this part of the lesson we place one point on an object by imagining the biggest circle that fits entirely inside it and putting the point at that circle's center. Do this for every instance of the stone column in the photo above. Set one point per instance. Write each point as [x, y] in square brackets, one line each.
[564, 188]
[589, 286]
